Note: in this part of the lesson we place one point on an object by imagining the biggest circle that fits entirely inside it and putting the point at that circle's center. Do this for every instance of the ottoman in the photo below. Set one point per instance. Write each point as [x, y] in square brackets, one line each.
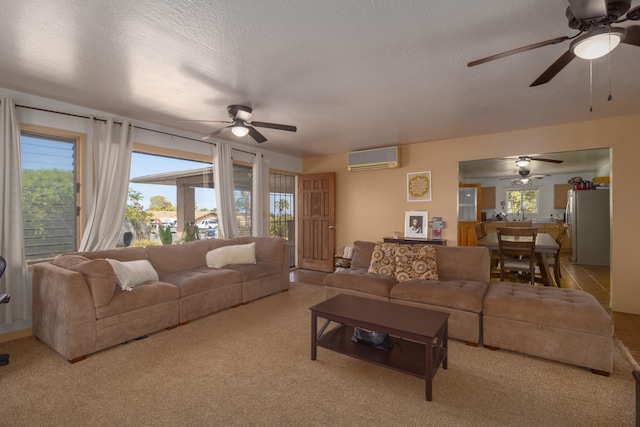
[565, 325]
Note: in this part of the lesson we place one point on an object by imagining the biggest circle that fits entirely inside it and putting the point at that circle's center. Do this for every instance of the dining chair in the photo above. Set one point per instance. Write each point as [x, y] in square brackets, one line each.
[479, 229]
[554, 259]
[516, 249]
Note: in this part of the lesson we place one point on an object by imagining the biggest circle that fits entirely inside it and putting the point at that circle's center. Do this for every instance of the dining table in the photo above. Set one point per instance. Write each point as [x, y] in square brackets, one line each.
[545, 244]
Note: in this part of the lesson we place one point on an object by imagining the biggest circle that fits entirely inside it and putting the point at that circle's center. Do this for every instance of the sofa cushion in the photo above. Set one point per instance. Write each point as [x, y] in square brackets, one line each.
[98, 274]
[383, 259]
[570, 309]
[362, 252]
[255, 271]
[201, 279]
[459, 294]
[142, 296]
[133, 273]
[359, 279]
[131, 253]
[415, 262]
[270, 250]
[232, 254]
[172, 258]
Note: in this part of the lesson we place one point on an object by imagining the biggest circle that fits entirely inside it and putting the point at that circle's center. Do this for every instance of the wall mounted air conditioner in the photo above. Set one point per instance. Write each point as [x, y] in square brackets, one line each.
[378, 158]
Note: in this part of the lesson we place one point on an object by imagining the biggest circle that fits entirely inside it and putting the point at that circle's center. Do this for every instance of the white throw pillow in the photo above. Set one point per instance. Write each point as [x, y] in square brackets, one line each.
[232, 254]
[133, 273]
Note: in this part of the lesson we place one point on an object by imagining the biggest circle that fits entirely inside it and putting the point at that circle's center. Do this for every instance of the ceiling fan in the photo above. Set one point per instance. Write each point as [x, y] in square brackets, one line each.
[525, 177]
[596, 36]
[523, 161]
[241, 125]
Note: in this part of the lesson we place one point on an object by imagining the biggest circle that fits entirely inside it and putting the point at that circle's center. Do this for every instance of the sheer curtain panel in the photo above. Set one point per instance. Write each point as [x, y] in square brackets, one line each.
[14, 280]
[258, 197]
[112, 145]
[223, 181]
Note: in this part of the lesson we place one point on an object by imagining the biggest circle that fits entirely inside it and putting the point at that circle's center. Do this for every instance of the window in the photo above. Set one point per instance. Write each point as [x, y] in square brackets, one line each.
[168, 188]
[522, 199]
[171, 187]
[243, 195]
[50, 187]
[282, 209]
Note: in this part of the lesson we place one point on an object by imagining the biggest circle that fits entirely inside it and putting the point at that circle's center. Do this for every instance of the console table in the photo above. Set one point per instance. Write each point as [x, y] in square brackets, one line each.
[414, 241]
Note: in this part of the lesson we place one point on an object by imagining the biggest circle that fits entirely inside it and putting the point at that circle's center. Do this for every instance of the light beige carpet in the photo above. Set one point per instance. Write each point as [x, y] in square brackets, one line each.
[251, 365]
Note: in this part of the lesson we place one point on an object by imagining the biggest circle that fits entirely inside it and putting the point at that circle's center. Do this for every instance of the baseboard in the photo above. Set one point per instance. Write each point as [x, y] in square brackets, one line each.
[14, 335]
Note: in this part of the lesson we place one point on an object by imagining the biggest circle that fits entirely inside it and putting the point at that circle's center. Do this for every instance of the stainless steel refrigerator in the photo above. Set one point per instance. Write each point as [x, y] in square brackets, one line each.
[588, 226]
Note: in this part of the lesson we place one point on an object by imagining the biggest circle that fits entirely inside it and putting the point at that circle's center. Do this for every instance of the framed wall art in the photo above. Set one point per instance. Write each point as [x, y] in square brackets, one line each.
[419, 186]
[415, 225]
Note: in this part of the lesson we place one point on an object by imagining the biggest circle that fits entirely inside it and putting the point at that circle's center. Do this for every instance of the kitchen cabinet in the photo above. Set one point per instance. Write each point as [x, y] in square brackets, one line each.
[469, 213]
[488, 199]
[560, 195]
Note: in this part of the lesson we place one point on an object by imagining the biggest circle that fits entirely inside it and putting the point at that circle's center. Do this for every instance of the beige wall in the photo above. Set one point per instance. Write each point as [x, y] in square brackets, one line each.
[371, 204]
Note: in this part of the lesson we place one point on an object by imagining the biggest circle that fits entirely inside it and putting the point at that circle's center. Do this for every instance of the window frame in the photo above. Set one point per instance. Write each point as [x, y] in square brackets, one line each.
[521, 190]
[79, 146]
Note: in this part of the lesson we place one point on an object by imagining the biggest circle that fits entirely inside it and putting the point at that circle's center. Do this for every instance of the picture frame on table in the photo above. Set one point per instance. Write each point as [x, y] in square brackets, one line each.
[419, 186]
[416, 224]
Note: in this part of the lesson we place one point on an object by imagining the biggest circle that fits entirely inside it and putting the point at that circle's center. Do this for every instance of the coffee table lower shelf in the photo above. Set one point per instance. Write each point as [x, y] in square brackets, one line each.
[405, 356]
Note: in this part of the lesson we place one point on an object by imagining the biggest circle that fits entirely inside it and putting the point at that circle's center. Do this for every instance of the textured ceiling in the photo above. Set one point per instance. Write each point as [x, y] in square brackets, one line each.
[349, 74]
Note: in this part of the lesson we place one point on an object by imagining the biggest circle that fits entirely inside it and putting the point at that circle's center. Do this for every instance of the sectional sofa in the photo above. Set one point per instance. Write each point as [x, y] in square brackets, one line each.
[565, 325]
[85, 302]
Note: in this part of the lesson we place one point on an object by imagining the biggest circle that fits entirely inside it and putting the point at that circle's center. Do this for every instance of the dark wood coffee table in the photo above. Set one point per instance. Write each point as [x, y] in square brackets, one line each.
[420, 335]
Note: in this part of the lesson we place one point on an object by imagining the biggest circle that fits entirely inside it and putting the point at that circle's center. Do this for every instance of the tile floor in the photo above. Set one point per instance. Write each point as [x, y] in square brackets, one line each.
[592, 279]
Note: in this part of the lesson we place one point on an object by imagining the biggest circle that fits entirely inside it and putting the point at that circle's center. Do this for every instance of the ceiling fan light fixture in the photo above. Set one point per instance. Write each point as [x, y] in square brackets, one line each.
[523, 162]
[597, 43]
[239, 129]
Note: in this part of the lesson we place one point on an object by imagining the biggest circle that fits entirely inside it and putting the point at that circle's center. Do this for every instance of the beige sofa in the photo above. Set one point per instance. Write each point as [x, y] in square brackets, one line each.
[459, 290]
[565, 325]
[79, 309]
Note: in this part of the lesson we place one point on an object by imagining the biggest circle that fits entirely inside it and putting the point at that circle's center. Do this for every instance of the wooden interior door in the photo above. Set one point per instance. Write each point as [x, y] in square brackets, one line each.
[316, 219]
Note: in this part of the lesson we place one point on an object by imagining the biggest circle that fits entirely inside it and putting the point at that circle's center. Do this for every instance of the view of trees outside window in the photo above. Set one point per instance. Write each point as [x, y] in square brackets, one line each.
[48, 195]
[522, 199]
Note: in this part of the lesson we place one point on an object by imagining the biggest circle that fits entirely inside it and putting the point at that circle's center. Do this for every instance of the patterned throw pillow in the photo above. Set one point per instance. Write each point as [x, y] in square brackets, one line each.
[416, 262]
[383, 259]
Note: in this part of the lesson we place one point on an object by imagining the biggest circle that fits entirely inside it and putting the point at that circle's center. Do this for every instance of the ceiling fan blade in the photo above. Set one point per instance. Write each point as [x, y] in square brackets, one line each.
[541, 159]
[256, 135]
[216, 133]
[554, 69]
[207, 121]
[274, 126]
[518, 50]
[586, 9]
[633, 35]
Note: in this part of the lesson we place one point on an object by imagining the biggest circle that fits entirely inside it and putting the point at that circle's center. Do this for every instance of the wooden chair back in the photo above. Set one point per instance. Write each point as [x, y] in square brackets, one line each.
[479, 229]
[516, 249]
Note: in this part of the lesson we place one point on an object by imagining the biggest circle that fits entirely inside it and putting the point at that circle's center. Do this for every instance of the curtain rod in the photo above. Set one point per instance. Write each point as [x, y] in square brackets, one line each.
[120, 123]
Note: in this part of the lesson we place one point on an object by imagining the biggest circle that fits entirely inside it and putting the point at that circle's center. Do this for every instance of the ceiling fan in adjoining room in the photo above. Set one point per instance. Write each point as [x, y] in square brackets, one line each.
[241, 124]
[523, 161]
[525, 177]
[596, 36]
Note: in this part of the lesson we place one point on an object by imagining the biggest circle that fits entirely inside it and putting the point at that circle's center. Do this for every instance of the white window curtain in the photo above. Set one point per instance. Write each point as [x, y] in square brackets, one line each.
[14, 280]
[223, 182]
[112, 162]
[258, 197]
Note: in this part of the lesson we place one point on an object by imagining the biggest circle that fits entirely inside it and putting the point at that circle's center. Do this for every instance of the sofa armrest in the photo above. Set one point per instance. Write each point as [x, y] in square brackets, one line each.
[64, 315]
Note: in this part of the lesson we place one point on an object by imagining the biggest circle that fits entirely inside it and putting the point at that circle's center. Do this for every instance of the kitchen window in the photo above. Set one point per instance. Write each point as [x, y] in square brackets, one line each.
[526, 200]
